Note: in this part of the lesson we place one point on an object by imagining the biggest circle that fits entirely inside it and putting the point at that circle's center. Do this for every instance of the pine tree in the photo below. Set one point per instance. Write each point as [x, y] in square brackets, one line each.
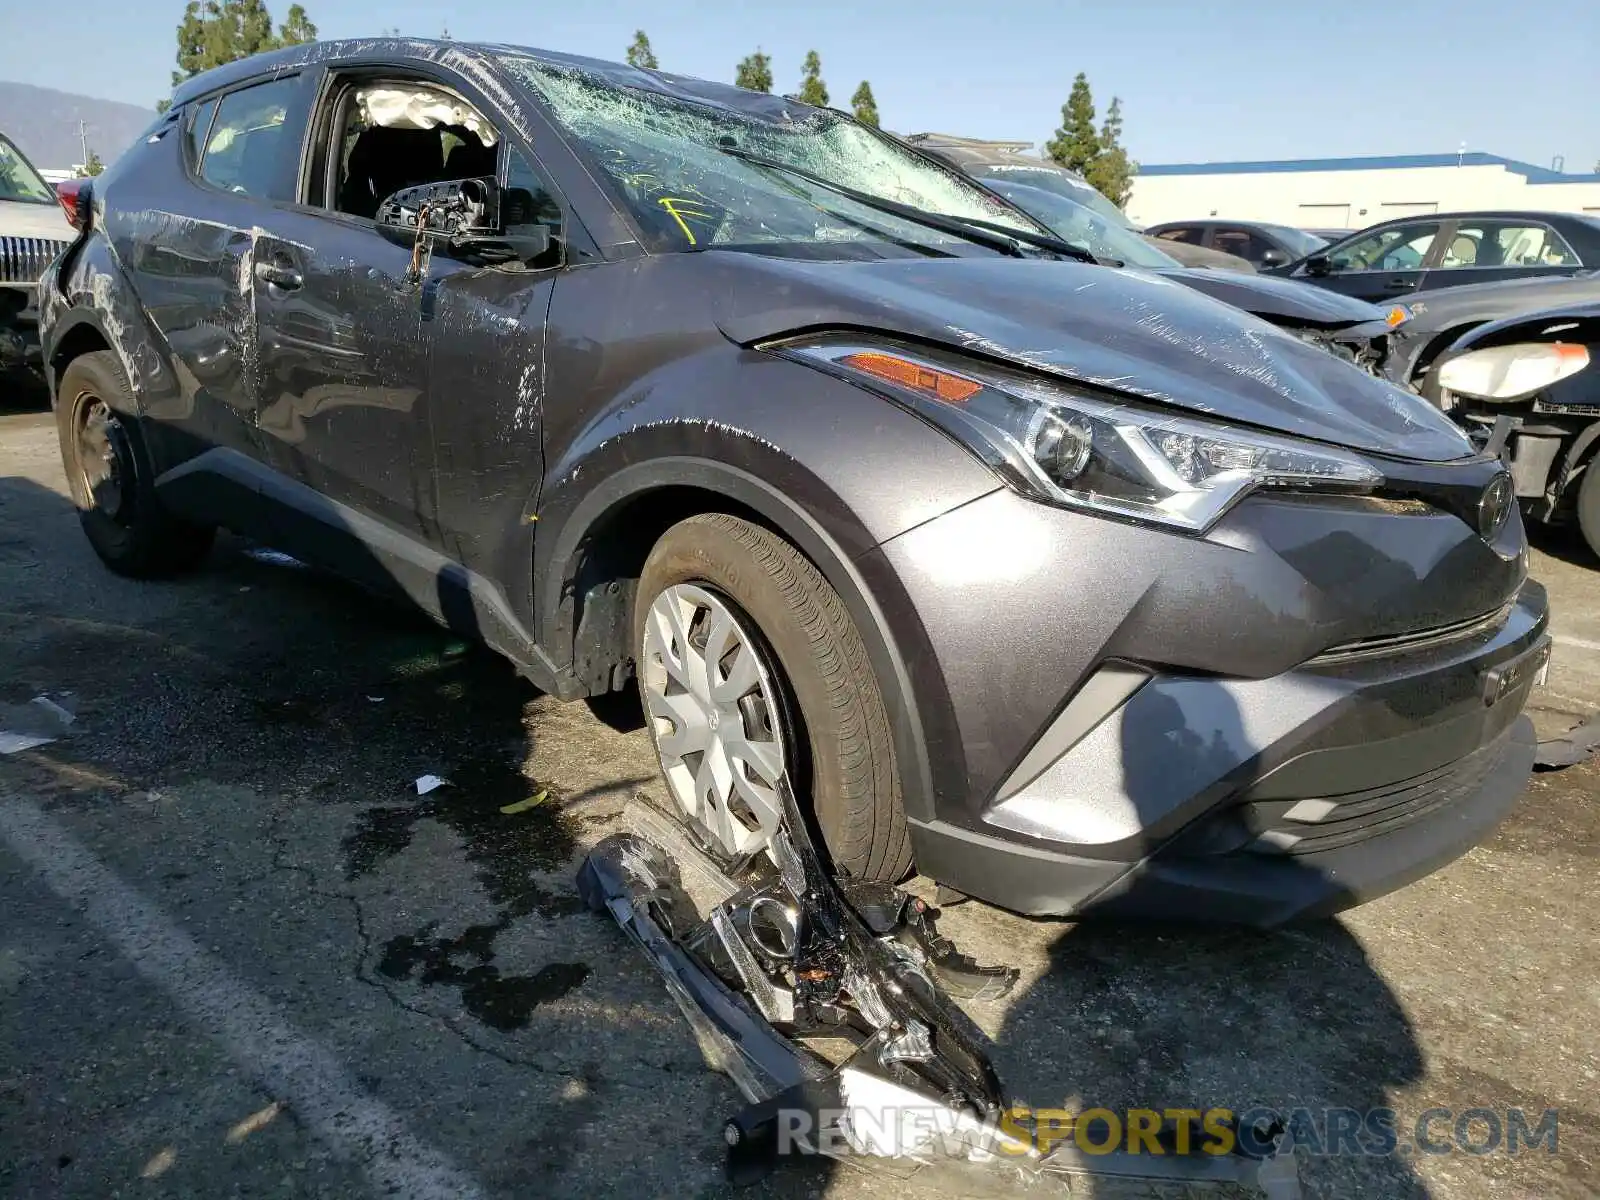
[223, 31]
[1076, 144]
[639, 53]
[866, 108]
[812, 89]
[297, 28]
[755, 72]
[1111, 172]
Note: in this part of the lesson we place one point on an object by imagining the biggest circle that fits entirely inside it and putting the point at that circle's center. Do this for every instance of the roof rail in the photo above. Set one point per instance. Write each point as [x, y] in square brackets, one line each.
[950, 139]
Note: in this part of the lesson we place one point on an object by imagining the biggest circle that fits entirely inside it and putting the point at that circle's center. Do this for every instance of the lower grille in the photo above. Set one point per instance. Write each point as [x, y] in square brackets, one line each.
[1421, 639]
[23, 259]
[1576, 408]
[1310, 826]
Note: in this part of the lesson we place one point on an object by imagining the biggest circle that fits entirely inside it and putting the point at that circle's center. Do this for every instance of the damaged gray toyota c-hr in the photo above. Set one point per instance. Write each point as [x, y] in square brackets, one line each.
[1074, 588]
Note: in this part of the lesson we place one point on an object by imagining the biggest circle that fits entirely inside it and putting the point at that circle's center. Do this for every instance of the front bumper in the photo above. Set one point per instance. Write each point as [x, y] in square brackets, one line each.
[1140, 716]
[19, 326]
[1319, 789]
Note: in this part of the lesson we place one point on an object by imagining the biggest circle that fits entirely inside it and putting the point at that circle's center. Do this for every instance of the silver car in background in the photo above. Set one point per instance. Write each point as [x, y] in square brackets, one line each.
[33, 230]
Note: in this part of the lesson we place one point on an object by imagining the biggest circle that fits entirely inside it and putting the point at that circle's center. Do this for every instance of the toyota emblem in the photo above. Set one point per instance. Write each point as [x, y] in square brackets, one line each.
[1494, 506]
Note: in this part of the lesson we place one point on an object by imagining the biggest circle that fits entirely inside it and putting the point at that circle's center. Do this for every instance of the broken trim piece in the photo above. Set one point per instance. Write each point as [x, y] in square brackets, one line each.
[785, 954]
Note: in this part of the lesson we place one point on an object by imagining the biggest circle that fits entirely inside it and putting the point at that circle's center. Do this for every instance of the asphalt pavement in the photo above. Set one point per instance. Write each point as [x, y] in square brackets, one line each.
[240, 955]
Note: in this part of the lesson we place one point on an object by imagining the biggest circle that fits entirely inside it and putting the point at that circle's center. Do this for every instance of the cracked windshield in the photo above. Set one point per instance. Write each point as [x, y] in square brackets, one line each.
[666, 155]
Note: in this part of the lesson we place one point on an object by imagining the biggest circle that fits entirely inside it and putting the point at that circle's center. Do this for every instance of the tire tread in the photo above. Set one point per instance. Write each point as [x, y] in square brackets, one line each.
[868, 836]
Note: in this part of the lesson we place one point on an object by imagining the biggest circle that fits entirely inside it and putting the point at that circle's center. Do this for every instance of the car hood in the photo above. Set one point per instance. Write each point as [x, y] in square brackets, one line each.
[1199, 256]
[19, 219]
[1285, 301]
[1438, 307]
[1127, 331]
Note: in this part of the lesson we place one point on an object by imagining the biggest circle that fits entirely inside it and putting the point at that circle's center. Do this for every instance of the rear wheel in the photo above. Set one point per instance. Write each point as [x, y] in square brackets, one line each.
[1589, 504]
[111, 479]
[750, 669]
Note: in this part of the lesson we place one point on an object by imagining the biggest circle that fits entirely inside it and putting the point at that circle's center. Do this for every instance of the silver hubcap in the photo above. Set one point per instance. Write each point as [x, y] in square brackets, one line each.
[714, 715]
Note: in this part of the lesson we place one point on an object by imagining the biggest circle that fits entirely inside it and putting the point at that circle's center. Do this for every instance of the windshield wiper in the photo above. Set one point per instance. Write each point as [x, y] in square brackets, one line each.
[1000, 238]
[1053, 242]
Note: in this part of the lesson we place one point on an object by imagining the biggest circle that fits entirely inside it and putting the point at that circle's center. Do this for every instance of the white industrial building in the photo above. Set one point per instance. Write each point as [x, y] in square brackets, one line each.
[1351, 193]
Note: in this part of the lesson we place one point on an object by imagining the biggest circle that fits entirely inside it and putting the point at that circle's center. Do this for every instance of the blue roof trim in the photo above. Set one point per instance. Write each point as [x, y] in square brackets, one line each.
[1382, 162]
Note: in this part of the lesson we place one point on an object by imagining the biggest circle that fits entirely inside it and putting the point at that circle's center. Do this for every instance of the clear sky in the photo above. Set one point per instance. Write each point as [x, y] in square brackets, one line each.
[1199, 79]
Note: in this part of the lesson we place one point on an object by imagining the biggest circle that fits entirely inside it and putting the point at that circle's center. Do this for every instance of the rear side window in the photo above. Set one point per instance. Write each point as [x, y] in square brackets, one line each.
[253, 144]
[199, 126]
[1507, 244]
[1184, 233]
[1242, 243]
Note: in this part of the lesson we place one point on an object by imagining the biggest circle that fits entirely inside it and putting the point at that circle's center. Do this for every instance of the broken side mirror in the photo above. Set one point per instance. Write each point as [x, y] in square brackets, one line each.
[464, 219]
[1319, 265]
[1273, 258]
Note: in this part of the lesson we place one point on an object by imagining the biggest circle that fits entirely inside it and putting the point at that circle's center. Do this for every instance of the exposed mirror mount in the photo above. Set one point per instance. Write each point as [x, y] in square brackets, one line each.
[1319, 265]
[461, 218]
[1273, 258]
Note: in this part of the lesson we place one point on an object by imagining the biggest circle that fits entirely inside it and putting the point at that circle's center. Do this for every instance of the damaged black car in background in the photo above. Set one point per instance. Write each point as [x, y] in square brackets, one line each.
[1074, 588]
[1353, 329]
[1528, 388]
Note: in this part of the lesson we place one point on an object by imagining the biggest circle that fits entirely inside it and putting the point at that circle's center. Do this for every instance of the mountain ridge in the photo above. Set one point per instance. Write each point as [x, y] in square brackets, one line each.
[43, 122]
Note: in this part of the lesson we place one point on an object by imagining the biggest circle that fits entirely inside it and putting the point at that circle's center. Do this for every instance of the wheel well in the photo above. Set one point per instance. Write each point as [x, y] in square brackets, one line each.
[76, 342]
[1438, 346]
[605, 576]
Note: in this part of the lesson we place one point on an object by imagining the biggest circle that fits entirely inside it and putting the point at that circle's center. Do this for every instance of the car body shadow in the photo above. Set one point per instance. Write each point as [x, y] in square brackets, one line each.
[1168, 1016]
[296, 713]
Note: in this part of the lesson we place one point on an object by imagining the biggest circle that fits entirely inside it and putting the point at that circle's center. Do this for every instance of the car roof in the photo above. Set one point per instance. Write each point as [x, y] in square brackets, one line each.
[988, 154]
[1501, 214]
[468, 57]
[1492, 214]
[1245, 224]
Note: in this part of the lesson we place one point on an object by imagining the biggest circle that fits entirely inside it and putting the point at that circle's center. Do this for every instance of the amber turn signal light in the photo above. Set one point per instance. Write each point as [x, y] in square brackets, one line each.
[941, 385]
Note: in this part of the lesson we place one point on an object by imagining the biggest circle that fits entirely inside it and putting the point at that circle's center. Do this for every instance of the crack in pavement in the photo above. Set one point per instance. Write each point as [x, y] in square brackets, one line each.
[367, 950]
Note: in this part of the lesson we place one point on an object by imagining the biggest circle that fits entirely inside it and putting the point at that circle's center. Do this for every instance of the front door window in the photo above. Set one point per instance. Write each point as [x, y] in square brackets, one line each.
[394, 135]
[1398, 248]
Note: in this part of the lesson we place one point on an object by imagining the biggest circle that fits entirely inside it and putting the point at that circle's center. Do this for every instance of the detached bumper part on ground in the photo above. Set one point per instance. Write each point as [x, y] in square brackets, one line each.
[790, 955]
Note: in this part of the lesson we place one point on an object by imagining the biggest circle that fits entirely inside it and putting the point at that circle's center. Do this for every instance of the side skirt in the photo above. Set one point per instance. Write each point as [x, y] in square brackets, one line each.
[228, 488]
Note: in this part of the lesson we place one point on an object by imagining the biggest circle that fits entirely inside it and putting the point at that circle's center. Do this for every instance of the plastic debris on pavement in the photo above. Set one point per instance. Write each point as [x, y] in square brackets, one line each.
[773, 962]
[522, 806]
[273, 558]
[1576, 745]
[37, 723]
[430, 783]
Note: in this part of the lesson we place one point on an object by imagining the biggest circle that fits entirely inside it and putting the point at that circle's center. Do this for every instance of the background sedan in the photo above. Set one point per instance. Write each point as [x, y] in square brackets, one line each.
[1260, 243]
[1414, 254]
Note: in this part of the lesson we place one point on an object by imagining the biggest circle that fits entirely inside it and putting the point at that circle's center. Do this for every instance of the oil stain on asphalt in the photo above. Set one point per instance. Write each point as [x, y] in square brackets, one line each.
[503, 1002]
[506, 852]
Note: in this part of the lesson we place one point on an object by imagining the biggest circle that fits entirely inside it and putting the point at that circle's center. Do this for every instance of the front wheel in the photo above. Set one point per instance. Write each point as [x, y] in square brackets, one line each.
[751, 669]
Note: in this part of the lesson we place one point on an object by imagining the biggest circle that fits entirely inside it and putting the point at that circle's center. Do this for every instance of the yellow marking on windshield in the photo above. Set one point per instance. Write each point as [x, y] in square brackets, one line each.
[678, 208]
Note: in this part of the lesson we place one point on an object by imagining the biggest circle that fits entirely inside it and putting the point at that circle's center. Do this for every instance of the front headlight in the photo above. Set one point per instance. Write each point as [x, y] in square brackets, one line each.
[1068, 447]
[1504, 373]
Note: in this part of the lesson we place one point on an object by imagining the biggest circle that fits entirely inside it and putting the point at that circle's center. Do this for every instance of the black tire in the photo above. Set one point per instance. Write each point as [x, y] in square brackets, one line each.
[833, 694]
[1589, 505]
[121, 515]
